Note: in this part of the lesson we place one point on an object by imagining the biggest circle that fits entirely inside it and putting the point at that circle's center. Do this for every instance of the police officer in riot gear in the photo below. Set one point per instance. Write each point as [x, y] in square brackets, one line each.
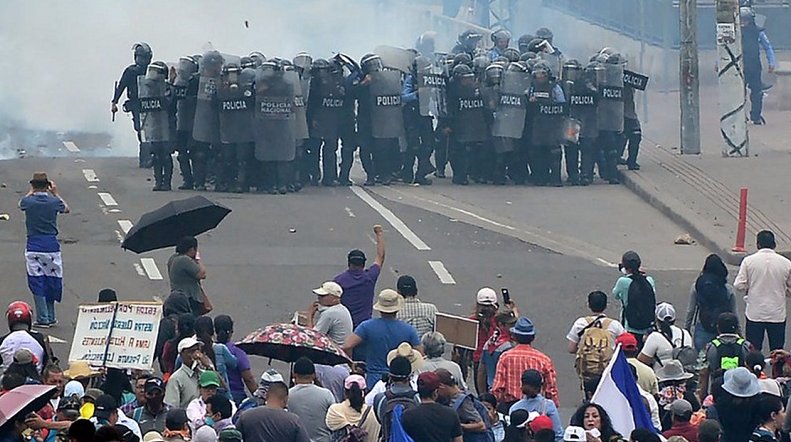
[185, 91]
[128, 82]
[425, 44]
[501, 39]
[157, 122]
[349, 72]
[467, 43]
[547, 111]
[419, 128]
[523, 43]
[610, 115]
[324, 110]
[236, 102]
[466, 124]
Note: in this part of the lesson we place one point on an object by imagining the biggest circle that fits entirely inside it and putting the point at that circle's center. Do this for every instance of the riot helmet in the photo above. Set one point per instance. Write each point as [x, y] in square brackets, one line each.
[746, 16]
[247, 63]
[608, 51]
[421, 64]
[258, 58]
[211, 63]
[616, 58]
[157, 70]
[494, 72]
[371, 63]
[230, 73]
[524, 40]
[142, 54]
[425, 44]
[536, 45]
[270, 66]
[303, 61]
[545, 34]
[462, 58]
[542, 71]
[595, 73]
[527, 56]
[462, 71]
[501, 38]
[18, 312]
[480, 63]
[469, 39]
[512, 54]
[572, 70]
[185, 69]
[502, 59]
[518, 66]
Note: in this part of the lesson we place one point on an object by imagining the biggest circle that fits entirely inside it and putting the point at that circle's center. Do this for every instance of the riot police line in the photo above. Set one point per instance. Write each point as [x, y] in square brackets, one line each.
[502, 115]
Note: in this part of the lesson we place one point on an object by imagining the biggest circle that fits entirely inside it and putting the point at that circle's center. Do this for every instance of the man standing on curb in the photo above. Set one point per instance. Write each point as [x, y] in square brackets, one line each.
[765, 279]
[41, 205]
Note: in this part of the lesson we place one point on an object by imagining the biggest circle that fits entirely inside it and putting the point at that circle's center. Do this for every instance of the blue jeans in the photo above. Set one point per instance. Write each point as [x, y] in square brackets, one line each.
[45, 310]
[702, 337]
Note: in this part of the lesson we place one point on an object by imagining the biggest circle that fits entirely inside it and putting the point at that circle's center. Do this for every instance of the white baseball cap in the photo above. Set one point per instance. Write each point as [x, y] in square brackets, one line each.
[329, 288]
[665, 312]
[486, 296]
[187, 342]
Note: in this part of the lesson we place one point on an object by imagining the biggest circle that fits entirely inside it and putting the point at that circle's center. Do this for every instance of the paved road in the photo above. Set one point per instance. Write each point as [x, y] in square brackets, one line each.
[260, 271]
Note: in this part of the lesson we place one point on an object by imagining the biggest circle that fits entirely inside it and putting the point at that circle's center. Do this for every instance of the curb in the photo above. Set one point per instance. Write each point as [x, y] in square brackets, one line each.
[678, 213]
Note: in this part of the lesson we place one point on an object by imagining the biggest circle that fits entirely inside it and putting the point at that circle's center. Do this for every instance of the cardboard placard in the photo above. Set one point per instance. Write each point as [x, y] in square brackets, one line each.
[118, 335]
[458, 330]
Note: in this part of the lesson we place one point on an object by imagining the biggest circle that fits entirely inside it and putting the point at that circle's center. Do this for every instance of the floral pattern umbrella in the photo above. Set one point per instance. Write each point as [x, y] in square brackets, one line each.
[289, 342]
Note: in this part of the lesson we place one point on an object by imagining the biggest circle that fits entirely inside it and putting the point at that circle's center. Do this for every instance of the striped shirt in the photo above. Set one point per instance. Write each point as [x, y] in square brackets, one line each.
[420, 315]
[508, 376]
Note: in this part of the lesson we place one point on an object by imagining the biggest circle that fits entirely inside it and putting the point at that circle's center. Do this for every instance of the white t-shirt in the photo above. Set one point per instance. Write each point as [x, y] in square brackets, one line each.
[17, 340]
[658, 347]
[615, 328]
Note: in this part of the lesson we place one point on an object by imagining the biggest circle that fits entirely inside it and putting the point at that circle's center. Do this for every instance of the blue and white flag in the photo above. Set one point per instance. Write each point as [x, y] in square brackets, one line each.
[618, 394]
[44, 267]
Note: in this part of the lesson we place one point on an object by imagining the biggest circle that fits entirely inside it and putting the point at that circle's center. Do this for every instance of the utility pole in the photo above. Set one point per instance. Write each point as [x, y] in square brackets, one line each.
[689, 96]
[732, 95]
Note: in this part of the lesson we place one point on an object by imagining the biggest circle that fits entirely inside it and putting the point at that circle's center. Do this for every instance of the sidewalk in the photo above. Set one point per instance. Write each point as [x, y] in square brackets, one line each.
[701, 192]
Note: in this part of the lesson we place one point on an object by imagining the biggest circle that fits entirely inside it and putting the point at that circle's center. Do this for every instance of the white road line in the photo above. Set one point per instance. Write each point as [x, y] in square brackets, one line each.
[70, 146]
[349, 211]
[119, 236]
[394, 221]
[125, 224]
[150, 266]
[139, 269]
[442, 273]
[90, 176]
[607, 263]
[54, 340]
[107, 199]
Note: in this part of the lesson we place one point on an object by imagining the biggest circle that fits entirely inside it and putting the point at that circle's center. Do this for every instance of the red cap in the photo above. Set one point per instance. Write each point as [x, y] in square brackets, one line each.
[18, 312]
[628, 341]
[427, 381]
[541, 423]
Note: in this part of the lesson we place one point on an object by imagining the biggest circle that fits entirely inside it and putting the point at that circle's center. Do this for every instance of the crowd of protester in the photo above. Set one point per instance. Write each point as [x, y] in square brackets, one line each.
[700, 382]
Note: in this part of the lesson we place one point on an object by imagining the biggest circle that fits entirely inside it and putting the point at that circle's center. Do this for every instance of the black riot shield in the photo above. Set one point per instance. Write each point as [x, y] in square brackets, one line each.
[207, 114]
[300, 121]
[432, 92]
[509, 115]
[548, 116]
[273, 126]
[185, 90]
[387, 118]
[155, 99]
[326, 100]
[236, 104]
[583, 100]
[469, 110]
[610, 115]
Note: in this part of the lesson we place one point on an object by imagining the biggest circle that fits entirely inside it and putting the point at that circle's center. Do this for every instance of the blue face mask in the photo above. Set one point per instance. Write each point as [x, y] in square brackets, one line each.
[208, 420]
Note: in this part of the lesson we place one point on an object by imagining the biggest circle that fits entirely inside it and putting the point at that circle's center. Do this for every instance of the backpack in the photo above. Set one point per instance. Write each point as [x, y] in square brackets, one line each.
[486, 436]
[684, 354]
[640, 304]
[730, 354]
[712, 301]
[355, 433]
[595, 347]
[390, 409]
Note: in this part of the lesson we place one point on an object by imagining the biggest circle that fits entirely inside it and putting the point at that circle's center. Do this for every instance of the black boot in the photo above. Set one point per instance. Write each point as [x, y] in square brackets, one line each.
[186, 171]
[158, 172]
[167, 174]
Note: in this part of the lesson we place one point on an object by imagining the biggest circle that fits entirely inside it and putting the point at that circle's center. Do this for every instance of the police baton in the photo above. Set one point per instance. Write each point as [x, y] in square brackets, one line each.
[113, 112]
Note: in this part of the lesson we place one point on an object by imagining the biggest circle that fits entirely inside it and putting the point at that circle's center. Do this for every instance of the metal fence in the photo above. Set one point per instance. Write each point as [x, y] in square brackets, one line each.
[656, 21]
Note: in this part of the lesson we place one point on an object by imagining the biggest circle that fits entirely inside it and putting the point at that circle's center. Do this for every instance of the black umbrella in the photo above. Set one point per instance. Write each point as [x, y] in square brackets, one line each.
[165, 226]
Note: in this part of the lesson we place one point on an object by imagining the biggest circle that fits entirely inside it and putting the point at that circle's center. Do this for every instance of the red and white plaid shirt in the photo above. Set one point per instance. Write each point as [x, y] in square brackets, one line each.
[508, 376]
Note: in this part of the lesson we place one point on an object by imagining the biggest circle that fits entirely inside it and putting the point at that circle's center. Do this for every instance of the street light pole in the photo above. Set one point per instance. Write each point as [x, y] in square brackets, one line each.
[732, 95]
[688, 78]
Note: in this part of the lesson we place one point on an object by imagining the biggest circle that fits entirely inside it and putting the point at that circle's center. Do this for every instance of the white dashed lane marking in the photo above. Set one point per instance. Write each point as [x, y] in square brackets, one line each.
[70, 146]
[54, 340]
[139, 269]
[90, 176]
[150, 266]
[394, 221]
[442, 273]
[125, 224]
[107, 199]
